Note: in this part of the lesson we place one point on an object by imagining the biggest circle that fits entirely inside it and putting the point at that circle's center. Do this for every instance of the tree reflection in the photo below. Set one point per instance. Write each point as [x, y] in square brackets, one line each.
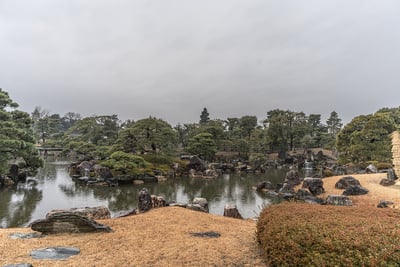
[17, 204]
[59, 190]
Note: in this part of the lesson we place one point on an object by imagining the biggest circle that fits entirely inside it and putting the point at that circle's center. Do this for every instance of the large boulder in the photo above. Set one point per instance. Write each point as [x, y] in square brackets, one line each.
[293, 178]
[303, 193]
[196, 164]
[346, 181]
[314, 185]
[158, 201]
[387, 182]
[94, 213]
[391, 175]
[199, 204]
[371, 169]
[13, 172]
[231, 210]
[355, 190]
[67, 222]
[85, 167]
[265, 185]
[287, 188]
[145, 201]
[102, 172]
[338, 200]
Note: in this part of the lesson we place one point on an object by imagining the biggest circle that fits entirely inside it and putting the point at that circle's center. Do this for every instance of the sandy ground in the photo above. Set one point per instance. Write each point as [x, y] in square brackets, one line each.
[371, 182]
[161, 237]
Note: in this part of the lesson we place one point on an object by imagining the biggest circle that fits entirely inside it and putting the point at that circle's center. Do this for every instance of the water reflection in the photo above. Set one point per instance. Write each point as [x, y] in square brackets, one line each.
[17, 204]
[54, 189]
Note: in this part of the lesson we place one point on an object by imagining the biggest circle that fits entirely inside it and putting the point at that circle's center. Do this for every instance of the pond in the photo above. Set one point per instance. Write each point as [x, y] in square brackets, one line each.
[55, 189]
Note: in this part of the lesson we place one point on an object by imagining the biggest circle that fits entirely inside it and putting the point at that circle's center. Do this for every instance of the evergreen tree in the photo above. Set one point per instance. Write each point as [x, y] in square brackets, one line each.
[366, 138]
[146, 135]
[16, 137]
[334, 124]
[202, 145]
[204, 117]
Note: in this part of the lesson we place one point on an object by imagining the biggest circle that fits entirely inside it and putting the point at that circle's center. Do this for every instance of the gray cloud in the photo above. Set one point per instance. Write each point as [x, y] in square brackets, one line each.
[170, 59]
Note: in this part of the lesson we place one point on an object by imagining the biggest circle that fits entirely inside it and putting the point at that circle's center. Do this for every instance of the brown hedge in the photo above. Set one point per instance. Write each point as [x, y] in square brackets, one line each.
[295, 234]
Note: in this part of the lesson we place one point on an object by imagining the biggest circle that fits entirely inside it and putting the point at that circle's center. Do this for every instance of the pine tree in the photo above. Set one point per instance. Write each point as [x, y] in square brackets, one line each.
[16, 137]
[204, 117]
[334, 124]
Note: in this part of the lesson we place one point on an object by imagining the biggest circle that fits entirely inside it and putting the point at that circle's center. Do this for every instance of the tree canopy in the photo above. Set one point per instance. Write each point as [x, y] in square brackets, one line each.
[16, 136]
[150, 134]
[366, 138]
[204, 116]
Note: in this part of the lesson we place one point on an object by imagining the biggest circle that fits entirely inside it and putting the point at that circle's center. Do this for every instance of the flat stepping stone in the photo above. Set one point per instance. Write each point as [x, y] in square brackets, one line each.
[25, 235]
[210, 234]
[19, 265]
[54, 253]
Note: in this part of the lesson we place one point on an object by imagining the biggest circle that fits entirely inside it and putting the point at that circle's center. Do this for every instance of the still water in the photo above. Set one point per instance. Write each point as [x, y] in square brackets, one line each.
[55, 189]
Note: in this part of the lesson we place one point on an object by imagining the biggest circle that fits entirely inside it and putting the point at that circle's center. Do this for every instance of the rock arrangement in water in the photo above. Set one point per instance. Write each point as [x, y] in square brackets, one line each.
[90, 173]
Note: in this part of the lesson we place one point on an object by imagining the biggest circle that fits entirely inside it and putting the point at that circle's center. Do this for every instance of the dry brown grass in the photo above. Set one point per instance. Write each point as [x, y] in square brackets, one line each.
[160, 237]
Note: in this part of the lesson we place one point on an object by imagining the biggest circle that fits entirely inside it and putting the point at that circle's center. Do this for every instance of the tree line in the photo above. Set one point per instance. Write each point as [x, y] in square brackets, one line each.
[365, 138]
[281, 130]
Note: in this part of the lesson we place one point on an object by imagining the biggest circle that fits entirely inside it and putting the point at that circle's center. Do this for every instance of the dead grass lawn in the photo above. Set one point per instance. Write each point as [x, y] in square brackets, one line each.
[160, 237]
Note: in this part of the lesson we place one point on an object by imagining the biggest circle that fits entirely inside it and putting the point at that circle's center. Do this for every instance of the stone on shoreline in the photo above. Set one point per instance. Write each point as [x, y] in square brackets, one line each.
[231, 210]
[67, 222]
[94, 213]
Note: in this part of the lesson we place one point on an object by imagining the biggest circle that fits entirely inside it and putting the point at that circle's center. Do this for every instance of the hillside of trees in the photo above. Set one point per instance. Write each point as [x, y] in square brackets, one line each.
[365, 139]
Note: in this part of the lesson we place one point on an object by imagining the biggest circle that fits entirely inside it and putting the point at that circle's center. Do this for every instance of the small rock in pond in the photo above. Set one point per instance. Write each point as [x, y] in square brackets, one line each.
[210, 234]
[54, 253]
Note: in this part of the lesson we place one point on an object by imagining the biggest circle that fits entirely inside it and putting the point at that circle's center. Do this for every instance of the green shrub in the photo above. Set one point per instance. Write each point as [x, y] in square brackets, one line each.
[158, 158]
[125, 163]
[80, 148]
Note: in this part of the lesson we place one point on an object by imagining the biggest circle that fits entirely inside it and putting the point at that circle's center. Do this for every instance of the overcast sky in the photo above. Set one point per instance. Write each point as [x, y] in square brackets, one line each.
[171, 58]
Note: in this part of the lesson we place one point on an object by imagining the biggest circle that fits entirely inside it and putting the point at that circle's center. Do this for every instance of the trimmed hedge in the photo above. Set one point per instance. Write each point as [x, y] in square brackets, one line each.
[295, 234]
